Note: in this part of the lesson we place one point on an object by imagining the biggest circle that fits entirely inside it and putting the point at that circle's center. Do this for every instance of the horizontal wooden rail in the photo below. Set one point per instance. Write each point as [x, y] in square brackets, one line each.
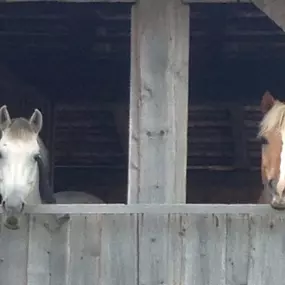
[216, 1]
[86, 209]
[76, 1]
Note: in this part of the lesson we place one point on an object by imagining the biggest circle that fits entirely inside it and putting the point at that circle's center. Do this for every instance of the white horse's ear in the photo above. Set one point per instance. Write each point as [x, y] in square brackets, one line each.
[36, 121]
[5, 119]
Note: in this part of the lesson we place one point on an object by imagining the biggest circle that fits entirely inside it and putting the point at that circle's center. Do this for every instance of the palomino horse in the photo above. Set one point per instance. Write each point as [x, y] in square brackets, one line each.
[24, 169]
[272, 135]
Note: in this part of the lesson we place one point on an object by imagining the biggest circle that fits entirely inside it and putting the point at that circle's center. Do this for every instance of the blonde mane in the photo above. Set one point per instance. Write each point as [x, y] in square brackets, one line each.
[273, 120]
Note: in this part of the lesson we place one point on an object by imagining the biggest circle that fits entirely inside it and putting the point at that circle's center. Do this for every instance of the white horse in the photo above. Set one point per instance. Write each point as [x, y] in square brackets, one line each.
[24, 169]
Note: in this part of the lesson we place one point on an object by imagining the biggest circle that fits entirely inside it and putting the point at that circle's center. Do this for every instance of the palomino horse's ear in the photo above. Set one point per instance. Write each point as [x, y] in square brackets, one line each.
[5, 119]
[36, 121]
[267, 102]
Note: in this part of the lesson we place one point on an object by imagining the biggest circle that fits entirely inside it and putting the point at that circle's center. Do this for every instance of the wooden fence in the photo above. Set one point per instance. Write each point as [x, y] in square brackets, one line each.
[147, 245]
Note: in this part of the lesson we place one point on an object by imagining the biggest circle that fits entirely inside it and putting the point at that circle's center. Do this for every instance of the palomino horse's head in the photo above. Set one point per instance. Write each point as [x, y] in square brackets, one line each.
[23, 165]
[272, 135]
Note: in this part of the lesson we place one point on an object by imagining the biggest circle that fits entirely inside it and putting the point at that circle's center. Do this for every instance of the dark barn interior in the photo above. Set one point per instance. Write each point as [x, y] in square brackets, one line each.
[73, 62]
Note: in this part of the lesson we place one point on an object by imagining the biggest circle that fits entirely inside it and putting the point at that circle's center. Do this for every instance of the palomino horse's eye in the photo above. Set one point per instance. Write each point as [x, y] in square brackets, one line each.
[263, 140]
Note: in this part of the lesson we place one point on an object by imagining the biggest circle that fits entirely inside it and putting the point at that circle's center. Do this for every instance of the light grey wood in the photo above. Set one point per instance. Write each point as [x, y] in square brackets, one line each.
[14, 254]
[205, 239]
[198, 249]
[176, 269]
[216, 1]
[78, 1]
[153, 237]
[118, 261]
[60, 254]
[275, 10]
[76, 239]
[86, 209]
[267, 254]
[39, 246]
[159, 101]
[238, 244]
[92, 249]
[75, 251]
[84, 247]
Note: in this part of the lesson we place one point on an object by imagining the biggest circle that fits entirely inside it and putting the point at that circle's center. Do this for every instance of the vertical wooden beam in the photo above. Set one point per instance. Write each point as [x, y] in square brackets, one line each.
[275, 10]
[159, 102]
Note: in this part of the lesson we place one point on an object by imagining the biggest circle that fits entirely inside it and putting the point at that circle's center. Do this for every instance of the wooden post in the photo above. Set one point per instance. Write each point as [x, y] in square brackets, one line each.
[159, 102]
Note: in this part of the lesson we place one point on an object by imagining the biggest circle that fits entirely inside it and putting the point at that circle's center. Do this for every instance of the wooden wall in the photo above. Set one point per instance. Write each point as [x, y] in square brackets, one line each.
[148, 245]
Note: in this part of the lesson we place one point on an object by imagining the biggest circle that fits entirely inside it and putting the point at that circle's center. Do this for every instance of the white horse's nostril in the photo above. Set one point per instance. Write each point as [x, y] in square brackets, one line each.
[4, 205]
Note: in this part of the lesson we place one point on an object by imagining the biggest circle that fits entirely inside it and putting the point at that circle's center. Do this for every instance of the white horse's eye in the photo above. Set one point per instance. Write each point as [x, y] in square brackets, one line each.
[37, 157]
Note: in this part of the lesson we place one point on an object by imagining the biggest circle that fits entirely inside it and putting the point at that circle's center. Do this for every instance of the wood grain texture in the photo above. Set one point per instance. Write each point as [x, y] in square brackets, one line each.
[153, 238]
[205, 239]
[237, 245]
[75, 251]
[267, 255]
[39, 249]
[79, 1]
[14, 254]
[204, 249]
[118, 261]
[159, 102]
[275, 10]
[91, 209]
[216, 1]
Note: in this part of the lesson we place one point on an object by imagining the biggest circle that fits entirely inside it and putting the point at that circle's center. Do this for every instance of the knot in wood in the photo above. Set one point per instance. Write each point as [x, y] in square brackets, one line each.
[159, 133]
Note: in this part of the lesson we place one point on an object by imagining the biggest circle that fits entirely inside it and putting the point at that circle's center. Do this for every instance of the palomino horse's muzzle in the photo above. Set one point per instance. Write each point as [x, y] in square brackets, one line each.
[277, 200]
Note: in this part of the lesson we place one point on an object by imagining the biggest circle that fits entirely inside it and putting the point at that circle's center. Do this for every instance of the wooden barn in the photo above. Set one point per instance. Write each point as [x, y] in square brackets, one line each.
[150, 105]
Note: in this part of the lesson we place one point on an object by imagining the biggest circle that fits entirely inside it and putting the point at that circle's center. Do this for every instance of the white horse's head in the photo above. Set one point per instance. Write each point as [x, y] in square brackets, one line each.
[23, 165]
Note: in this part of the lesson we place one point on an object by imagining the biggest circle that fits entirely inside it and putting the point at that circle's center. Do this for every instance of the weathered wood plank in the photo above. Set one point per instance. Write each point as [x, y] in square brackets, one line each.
[60, 254]
[79, 1]
[217, 1]
[159, 102]
[153, 237]
[39, 245]
[167, 249]
[76, 239]
[118, 261]
[237, 244]
[14, 254]
[86, 209]
[267, 254]
[275, 10]
[176, 269]
[205, 241]
[84, 247]
[75, 251]
[92, 249]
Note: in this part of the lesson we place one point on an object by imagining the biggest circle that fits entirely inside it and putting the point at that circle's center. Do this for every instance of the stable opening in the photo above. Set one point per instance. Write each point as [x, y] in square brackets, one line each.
[72, 61]
[237, 53]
